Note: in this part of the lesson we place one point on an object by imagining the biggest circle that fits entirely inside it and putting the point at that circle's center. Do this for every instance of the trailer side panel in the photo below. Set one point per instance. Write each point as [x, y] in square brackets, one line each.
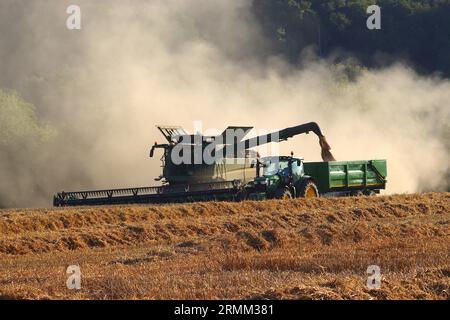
[348, 175]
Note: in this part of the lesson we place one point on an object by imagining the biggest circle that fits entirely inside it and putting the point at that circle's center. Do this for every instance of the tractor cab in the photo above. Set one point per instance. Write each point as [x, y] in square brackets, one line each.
[277, 177]
[280, 166]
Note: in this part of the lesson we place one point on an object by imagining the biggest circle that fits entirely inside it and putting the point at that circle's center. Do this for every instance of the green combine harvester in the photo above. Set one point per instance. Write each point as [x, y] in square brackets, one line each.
[238, 173]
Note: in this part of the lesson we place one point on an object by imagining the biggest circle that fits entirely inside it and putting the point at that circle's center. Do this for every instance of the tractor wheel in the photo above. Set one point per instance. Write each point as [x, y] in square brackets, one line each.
[283, 194]
[308, 189]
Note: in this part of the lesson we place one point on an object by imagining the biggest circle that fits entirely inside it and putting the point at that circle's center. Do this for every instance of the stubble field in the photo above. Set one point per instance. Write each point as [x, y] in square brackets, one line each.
[291, 249]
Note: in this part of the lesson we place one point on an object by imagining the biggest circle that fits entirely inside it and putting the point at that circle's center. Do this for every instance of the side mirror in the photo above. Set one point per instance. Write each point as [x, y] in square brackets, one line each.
[252, 164]
[152, 151]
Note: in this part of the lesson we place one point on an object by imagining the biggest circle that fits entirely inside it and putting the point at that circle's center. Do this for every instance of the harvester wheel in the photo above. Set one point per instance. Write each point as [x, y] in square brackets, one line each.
[242, 195]
[308, 189]
[283, 193]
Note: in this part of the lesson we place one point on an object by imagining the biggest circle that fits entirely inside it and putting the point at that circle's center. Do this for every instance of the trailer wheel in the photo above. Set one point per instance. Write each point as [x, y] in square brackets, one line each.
[370, 193]
[283, 194]
[308, 189]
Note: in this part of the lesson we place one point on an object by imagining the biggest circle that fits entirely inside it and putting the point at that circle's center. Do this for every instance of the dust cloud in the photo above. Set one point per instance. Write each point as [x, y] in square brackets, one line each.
[136, 64]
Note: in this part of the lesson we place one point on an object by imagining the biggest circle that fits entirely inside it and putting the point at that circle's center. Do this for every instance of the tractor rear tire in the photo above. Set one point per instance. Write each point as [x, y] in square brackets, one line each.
[283, 193]
[308, 189]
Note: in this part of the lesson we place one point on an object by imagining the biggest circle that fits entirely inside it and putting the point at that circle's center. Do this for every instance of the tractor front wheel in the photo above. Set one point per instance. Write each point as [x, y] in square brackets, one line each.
[308, 189]
[283, 193]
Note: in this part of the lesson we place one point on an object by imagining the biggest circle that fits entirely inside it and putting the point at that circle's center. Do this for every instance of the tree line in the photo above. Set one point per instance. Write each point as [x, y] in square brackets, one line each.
[413, 31]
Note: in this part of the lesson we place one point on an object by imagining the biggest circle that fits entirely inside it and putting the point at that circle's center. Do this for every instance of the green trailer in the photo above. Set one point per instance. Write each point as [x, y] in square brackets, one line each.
[289, 177]
[358, 177]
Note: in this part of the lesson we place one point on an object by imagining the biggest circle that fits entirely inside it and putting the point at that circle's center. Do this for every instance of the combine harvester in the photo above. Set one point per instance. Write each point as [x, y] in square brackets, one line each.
[236, 175]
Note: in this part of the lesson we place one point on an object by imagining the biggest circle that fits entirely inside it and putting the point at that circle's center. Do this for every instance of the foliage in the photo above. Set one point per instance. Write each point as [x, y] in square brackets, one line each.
[22, 140]
[415, 31]
[19, 125]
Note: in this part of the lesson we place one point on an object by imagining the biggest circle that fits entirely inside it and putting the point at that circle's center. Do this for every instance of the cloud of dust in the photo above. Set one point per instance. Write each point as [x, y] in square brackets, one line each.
[136, 64]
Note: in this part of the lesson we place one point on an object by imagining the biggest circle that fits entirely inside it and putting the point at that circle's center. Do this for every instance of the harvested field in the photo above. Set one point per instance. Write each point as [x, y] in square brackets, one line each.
[291, 249]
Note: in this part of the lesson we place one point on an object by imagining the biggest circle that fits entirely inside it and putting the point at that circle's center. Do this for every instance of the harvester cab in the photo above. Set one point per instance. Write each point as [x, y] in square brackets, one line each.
[185, 159]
